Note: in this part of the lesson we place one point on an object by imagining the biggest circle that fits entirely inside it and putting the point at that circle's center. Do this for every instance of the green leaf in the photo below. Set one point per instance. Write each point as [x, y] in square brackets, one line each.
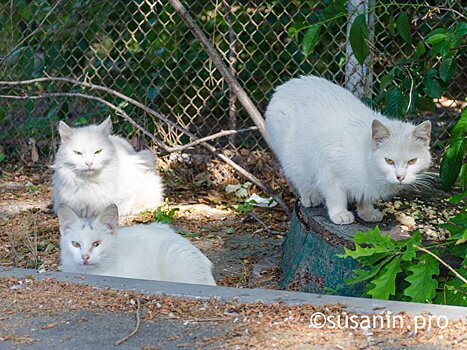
[409, 253]
[432, 88]
[422, 286]
[403, 27]
[310, 39]
[384, 284]
[454, 292]
[425, 104]
[436, 38]
[452, 162]
[358, 38]
[334, 9]
[447, 69]
[461, 29]
[463, 177]
[385, 81]
[363, 275]
[460, 129]
[373, 237]
[420, 50]
[395, 102]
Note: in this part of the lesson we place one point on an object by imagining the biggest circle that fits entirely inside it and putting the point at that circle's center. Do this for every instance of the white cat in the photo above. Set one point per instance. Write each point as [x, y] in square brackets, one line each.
[154, 252]
[94, 169]
[335, 149]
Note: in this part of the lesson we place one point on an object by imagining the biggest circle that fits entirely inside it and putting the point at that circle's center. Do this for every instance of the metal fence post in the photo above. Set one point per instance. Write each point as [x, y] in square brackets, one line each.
[359, 78]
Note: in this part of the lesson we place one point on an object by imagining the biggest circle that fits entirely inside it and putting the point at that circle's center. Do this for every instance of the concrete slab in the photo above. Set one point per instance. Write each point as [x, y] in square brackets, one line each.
[356, 305]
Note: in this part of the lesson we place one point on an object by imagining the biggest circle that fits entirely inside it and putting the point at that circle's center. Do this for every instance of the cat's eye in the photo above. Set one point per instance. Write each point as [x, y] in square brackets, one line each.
[78, 153]
[98, 151]
[96, 244]
[389, 161]
[75, 244]
[412, 161]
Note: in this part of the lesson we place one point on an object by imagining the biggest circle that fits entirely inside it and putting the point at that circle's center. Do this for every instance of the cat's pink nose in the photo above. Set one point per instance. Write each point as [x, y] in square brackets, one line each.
[85, 258]
[400, 177]
[89, 163]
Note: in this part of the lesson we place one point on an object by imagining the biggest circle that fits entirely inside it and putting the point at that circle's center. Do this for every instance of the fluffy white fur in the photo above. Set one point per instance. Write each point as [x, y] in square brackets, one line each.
[334, 149]
[154, 252]
[94, 169]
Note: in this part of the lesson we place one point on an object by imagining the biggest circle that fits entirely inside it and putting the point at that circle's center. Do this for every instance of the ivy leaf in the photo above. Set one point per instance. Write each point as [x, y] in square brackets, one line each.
[403, 27]
[447, 69]
[384, 284]
[395, 102]
[422, 286]
[358, 38]
[310, 39]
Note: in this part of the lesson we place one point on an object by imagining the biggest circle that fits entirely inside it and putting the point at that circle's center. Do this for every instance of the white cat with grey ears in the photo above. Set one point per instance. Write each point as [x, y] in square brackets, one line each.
[154, 252]
[335, 150]
[93, 169]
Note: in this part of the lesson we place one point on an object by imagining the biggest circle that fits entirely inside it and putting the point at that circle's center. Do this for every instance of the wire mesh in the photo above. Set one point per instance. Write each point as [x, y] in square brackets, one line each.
[145, 51]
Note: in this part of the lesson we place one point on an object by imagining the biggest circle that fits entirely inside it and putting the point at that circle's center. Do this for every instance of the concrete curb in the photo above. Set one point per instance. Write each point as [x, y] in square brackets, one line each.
[352, 304]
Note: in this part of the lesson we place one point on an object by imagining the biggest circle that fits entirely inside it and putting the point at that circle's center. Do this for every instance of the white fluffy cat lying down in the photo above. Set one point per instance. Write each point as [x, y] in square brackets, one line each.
[334, 149]
[153, 252]
[94, 169]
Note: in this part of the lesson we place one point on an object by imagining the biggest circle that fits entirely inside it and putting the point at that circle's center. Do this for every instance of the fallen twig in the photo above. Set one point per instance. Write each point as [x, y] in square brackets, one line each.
[251, 215]
[138, 321]
[442, 262]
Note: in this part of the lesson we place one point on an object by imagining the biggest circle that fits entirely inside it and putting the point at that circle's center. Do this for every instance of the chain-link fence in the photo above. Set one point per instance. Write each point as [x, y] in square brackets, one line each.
[143, 50]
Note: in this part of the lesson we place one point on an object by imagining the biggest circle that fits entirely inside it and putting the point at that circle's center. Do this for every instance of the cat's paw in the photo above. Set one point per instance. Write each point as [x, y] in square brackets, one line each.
[372, 215]
[316, 200]
[306, 201]
[342, 218]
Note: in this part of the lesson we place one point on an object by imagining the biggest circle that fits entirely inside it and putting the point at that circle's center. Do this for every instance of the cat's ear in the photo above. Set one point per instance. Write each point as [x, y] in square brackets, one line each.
[109, 217]
[65, 131]
[379, 133]
[422, 133]
[106, 126]
[66, 217]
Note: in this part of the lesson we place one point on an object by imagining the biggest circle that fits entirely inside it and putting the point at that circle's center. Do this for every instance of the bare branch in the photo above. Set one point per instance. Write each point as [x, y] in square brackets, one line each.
[122, 113]
[30, 34]
[223, 69]
[119, 111]
[211, 137]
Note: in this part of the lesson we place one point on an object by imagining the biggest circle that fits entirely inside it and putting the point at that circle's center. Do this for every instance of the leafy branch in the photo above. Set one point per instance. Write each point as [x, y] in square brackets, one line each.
[386, 263]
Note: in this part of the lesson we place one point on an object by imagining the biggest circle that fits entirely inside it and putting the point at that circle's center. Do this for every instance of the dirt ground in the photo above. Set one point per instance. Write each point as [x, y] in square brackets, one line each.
[242, 252]
[196, 324]
[244, 255]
